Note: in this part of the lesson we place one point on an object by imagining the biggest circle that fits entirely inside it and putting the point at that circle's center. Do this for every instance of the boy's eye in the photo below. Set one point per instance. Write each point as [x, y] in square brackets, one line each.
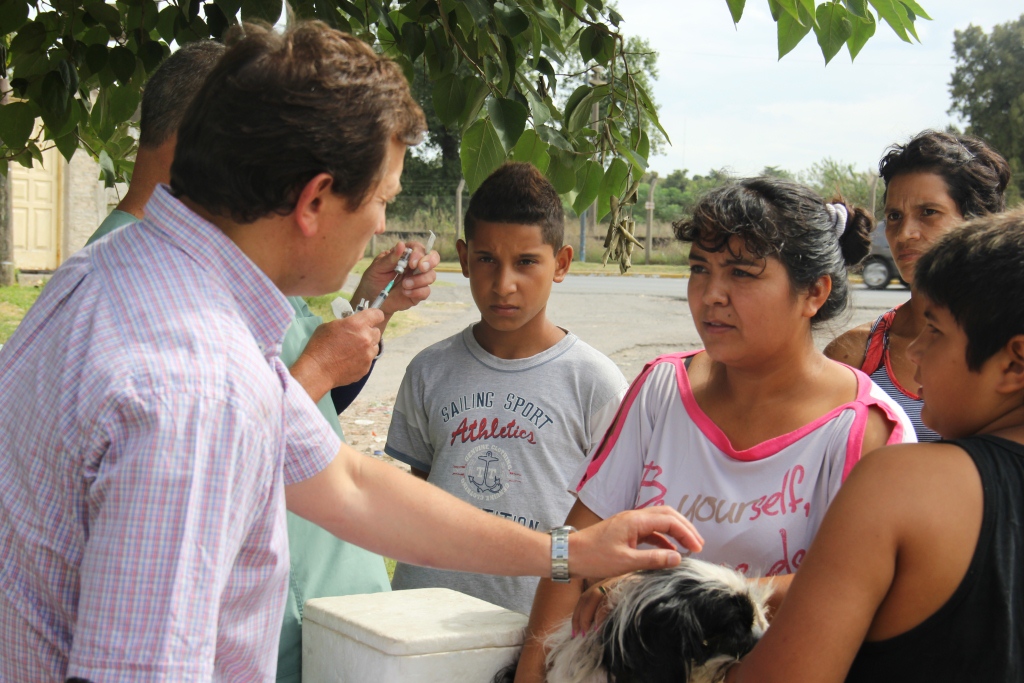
[526, 262]
[697, 268]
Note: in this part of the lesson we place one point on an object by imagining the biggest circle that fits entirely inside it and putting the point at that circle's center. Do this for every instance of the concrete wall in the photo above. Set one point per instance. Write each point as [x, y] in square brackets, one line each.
[85, 203]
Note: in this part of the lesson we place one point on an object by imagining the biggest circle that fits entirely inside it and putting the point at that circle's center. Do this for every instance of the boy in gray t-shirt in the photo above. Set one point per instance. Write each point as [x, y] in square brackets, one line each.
[501, 414]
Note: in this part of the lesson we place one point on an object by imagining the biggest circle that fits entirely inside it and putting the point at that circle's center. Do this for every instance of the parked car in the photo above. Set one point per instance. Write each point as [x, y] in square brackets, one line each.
[879, 268]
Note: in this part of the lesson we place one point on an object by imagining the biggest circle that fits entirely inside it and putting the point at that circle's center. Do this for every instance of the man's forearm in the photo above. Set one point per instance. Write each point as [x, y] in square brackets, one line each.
[387, 511]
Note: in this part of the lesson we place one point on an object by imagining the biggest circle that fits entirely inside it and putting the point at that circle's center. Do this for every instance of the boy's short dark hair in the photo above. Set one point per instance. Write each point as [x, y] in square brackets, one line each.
[170, 90]
[977, 273]
[518, 193]
[976, 175]
[280, 108]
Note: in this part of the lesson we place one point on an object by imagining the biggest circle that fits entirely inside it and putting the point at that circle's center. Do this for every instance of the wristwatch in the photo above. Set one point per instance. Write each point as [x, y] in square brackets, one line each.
[560, 553]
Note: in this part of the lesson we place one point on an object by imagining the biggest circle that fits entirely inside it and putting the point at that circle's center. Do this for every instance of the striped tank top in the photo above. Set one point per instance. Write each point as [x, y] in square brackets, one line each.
[877, 365]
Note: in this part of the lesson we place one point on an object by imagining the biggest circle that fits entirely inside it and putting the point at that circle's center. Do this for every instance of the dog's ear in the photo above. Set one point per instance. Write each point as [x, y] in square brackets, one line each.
[660, 641]
[729, 626]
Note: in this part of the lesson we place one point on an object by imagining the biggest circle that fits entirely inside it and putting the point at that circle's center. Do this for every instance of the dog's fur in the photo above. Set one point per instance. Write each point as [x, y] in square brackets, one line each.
[688, 623]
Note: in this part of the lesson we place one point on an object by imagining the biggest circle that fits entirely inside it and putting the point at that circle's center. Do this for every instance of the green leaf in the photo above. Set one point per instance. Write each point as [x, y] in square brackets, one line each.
[107, 15]
[554, 138]
[30, 38]
[792, 9]
[613, 183]
[509, 119]
[54, 99]
[532, 149]
[124, 100]
[583, 114]
[67, 144]
[588, 183]
[808, 10]
[638, 162]
[587, 42]
[906, 18]
[575, 98]
[481, 153]
[96, 58]
[449, 99]
[887, 11]
[165, 23]
[560, 170]
[736, 9]
[476, 92]
[414, 39]
[512, 19]
[107, 169]
[862, 31]
[263, 10]
[152, 54]
[16, 122]
[858, 8]
[916, 9]
[13, 13]
[791, 32]
[833, 29]
[122, 62]
[643, 147]
[652, 111]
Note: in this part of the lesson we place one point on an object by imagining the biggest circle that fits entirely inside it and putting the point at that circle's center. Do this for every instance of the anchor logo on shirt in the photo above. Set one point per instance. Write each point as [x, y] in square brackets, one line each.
[487, 459]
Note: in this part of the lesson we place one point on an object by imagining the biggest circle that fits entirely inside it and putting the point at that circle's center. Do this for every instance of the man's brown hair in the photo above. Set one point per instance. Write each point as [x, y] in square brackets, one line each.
[281, 108]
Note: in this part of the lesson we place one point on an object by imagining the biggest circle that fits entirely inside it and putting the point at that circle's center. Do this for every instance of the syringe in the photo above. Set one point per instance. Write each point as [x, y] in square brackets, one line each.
[400, 267]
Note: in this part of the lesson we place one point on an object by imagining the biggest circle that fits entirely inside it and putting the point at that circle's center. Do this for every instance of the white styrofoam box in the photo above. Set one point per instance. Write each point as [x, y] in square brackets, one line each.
[427, 635]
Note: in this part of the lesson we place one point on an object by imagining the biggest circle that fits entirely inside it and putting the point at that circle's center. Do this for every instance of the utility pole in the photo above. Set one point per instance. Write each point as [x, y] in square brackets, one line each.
[595, 79]
[458, 207]
[650, 217]
[583, 236]
[6, 216]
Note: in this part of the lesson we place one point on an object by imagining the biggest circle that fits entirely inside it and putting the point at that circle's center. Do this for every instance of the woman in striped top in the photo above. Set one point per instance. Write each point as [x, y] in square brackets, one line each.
[932, 183]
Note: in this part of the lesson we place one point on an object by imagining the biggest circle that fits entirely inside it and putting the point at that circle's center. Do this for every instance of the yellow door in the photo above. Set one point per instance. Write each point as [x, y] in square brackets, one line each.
[36, 209]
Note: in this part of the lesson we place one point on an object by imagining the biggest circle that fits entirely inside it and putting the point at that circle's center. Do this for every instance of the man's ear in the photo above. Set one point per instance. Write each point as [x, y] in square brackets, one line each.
[563, 259]
[463, 250]
[1012, 380]
[309, 206]
[816, 295]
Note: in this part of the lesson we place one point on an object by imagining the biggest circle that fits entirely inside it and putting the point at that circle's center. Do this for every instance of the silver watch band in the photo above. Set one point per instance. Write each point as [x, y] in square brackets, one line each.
[560, 553]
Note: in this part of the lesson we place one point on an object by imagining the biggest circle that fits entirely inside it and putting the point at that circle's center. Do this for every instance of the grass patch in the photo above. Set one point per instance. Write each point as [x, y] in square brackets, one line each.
[389, 564]
[14, 304]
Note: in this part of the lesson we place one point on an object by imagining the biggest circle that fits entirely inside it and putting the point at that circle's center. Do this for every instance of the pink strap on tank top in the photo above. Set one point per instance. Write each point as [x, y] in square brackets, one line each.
[861, 407]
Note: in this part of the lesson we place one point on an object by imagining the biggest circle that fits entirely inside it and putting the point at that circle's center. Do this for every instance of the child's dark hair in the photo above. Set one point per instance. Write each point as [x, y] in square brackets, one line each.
[976, 175]
[518, 193]
[787, 221]
[977, 272]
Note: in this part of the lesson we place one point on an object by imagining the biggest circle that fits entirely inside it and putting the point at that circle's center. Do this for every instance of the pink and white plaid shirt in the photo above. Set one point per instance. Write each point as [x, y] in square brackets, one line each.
[143, 459]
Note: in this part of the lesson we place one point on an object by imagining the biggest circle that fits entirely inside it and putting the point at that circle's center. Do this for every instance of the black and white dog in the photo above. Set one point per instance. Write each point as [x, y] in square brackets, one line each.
[688, 623]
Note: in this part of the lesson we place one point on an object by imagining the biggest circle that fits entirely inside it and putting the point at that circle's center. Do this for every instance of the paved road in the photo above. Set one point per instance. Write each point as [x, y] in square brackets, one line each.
[630, 319]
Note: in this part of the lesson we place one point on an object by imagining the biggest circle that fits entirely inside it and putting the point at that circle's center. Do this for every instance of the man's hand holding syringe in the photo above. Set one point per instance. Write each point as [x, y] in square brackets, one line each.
[342, 351]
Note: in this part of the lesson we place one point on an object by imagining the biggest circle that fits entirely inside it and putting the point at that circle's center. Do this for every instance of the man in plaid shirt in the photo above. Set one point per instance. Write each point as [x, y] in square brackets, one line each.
[144, 462]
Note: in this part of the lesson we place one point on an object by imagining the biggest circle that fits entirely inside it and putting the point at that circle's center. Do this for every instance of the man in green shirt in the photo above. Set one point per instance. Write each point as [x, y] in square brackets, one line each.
[320, 356]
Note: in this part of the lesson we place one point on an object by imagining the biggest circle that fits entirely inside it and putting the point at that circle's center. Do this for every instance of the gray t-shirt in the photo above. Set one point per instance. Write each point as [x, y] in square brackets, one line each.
[504, 435]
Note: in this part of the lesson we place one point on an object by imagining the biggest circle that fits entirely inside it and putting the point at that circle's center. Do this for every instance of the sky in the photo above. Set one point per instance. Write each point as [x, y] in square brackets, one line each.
[727, 101]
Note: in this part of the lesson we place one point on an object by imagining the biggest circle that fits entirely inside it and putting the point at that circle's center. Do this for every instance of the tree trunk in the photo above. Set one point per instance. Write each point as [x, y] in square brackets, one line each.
[6, 234]
[6, 220]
